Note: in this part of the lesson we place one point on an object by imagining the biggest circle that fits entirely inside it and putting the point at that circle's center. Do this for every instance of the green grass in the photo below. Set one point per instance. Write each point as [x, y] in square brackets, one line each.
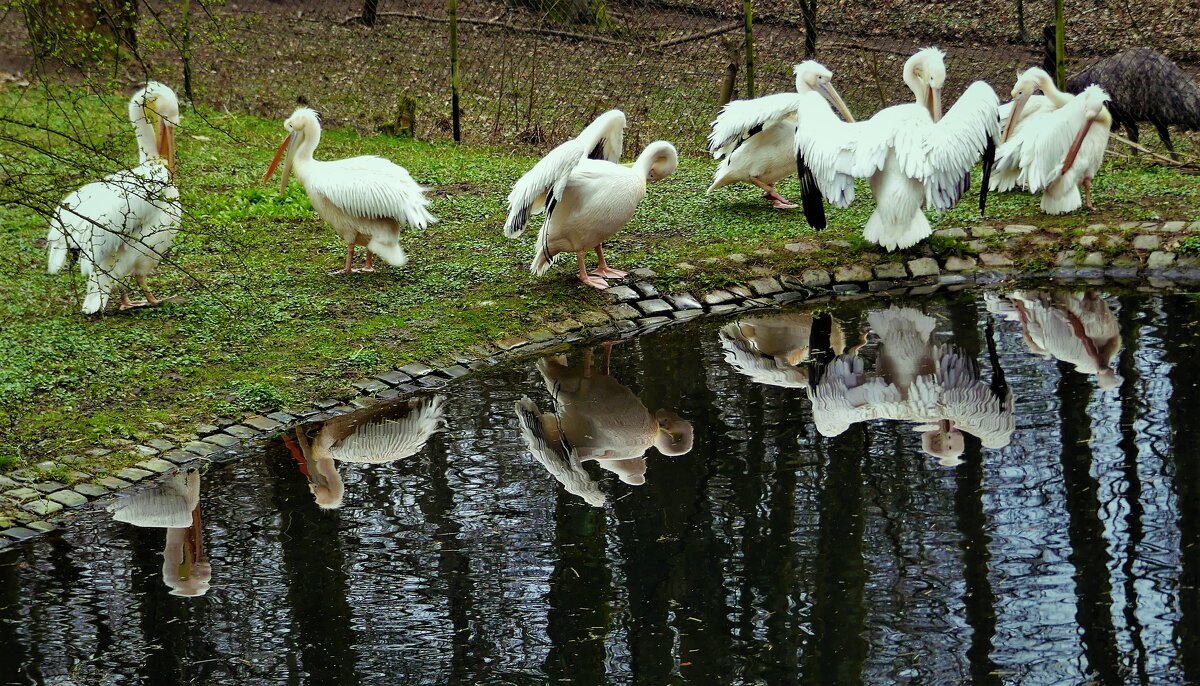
[255, 323]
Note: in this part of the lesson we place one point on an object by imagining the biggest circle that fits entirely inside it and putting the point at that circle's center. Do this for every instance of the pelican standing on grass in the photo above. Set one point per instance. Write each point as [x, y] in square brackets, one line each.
[914, 157]
[1053, 144]
[122, 226]
[586, 195]
[365, 199]
[755, 138]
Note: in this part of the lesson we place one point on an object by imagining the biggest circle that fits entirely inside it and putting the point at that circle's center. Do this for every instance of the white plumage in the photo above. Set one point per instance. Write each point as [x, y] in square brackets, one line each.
[771, 350]
[1053, 143]
[755, 139]
[914, 157]
[168, 503]
[366, 199]
[915, 380]
[124, 225]
[1073, 326]
[586, 195]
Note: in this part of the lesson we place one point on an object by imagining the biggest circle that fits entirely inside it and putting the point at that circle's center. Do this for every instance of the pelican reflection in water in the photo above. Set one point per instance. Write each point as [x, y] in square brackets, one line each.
[172, 504]
[375, 436]
[1075, 327]
[936, 386]
[773, 350]
[596, 418]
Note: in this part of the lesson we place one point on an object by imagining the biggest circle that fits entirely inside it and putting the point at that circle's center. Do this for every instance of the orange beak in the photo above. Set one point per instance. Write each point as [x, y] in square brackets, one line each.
[279, 154]
[166, 145]
[1013, 116]
[1076, 144]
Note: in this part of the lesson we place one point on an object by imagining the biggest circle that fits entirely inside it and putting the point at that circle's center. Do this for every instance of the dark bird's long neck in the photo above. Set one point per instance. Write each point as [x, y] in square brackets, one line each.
[1049, 51]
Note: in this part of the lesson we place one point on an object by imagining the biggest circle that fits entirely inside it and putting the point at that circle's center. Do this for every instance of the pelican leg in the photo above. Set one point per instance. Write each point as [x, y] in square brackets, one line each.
[127, 304]
[349, 262]
[141, 282]
[602, 269]
[1087, 194]
[593, 281]
[777, 201]
[369, 266]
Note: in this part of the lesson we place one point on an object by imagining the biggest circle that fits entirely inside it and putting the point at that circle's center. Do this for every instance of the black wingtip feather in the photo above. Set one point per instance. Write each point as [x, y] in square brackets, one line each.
[989, 159]
[810, 194]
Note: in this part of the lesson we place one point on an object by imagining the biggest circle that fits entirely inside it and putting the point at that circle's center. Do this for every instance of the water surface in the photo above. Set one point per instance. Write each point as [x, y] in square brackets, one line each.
[990, 488]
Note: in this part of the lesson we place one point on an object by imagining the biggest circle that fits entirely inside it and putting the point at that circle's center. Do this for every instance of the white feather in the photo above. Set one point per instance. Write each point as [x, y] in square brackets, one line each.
[388, 439]
[552, 452]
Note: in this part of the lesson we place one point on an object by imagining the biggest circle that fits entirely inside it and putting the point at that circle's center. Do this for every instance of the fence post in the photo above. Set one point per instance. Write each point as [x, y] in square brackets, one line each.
[809, 9]
[748, 9]
[452, 6]
[1060, 47]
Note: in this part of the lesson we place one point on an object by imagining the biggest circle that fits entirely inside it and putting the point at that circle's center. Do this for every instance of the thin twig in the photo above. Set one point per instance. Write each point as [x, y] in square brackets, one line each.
[698, 36]
[503, 25]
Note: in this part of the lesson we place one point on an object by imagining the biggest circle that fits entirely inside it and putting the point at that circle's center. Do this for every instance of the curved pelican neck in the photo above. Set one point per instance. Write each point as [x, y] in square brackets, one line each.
[147, 142]
[310, 137]
[1051, 91]
[914, 83]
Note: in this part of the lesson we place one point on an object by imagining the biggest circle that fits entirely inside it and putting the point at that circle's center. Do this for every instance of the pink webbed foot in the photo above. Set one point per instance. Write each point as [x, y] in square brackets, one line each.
[782, 204]
[610, 273]
[594, 281]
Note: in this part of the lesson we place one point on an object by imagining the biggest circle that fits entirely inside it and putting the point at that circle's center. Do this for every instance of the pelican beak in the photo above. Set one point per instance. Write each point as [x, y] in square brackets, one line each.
[289, 146]
[1077, 143]
[935, 103]
[1013, 116]
[834, 99]
[166, 143]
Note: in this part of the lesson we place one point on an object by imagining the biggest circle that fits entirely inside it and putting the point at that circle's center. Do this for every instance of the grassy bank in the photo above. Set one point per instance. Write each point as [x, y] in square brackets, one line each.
[254, 322]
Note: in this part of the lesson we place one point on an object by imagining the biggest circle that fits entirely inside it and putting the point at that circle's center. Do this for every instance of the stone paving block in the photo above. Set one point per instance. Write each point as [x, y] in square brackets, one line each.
[90, 490]
[68, 498]
[325, 404]
[960, 264]
[622, 294]
[718, 297]
[221, 440]
[924, 290]
[510, 343]
[93, 452]
[978, 246]
[1147, 242]
[643, 273]
[1114, 241]
[1019, 228]
[455, 370]
[24, 475]
[951, 233]
[48, 486]
[626, 326]
[415, 369]
[160, 444]
[738, 257]
[687, 314]
[765, 286]
[740, 291]
[846, 288]
[891, 270]
[431, 381]
[684, 301]
[156, 465]
[993, 259]
[369, 386]
[983, 232]
[1094, 259]
[924, 266]
[851, 273]
[133, 474]
[1065, 258]
[146, 450]
[394, 377]
[789, 297]
[22, 494]
[723, 309]
[651, 322]
[622, 311]
[1088, 241]
[266, 423]
[42, 508]
[951, 279]
[19, 533]
[802, 245]
[201, 449]
[281, 417]
[880, 285]
[655, 306]
[562, 327]
[365, 401]
[6, 483]
[815, 278]
[205, 429]
[647, 289]
[1173, 227]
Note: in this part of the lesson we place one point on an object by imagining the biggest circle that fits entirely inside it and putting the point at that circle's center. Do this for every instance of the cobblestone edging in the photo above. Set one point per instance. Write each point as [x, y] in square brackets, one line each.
[1133, 250]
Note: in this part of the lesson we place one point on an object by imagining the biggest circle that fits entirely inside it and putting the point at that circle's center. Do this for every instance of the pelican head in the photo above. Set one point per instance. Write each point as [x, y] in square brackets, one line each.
[156, 108]
[925, 75]
[813, 76]
[674, 435]
[943, 441]
[657, 161]
[1028, 83]
[304, 124]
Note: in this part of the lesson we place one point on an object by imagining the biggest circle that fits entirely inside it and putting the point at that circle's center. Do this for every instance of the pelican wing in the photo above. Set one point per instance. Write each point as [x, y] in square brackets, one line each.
[1035, 106]
[952, 146]
[373, 188]
[1041, 146]
[845, 395]
[831, 153]
[542, 185]
[555, 454]
[972, 404]
[387, 440]
[166, 504]
[763, 369]
[739, 120]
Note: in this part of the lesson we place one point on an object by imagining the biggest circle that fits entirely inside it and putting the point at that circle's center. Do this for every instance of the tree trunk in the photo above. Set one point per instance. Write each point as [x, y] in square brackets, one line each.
[369, 12]
[809, 9]
[81, 31]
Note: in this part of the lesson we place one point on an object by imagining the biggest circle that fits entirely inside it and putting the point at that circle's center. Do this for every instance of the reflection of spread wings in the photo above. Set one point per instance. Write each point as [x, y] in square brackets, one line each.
[168, 504]
[385, 440]
[845, 395]
[545, 441]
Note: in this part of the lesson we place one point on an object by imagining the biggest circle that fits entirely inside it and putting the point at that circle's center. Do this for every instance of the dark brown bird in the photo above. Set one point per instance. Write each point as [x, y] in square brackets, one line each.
[1144, 86]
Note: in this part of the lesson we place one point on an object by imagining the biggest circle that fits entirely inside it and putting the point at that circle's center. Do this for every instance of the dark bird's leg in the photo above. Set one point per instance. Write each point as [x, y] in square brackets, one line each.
[1165, 135]
[1132, 129]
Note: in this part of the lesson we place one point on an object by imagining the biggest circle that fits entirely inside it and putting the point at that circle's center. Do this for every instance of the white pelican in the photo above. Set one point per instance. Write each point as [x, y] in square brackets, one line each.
[173, 504]
[586, 194]
[1053, 144]
[365, 199]
[913, 156]
[755, 138]
[772, 350]
[376, 436]
[1075, 327]
[122, 226]
[596, 418]
[915, 380]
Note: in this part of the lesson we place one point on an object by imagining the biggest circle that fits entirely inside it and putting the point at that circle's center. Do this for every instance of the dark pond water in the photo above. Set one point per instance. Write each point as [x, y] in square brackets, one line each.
[987, 488]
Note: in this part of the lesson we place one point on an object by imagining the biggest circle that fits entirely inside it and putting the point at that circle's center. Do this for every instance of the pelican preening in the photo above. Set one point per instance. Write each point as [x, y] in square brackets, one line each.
[754, 139]
[173, 504]
[124, 225]
[1053, 143]
[586, 195]
[914, 157]
[365, 199]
